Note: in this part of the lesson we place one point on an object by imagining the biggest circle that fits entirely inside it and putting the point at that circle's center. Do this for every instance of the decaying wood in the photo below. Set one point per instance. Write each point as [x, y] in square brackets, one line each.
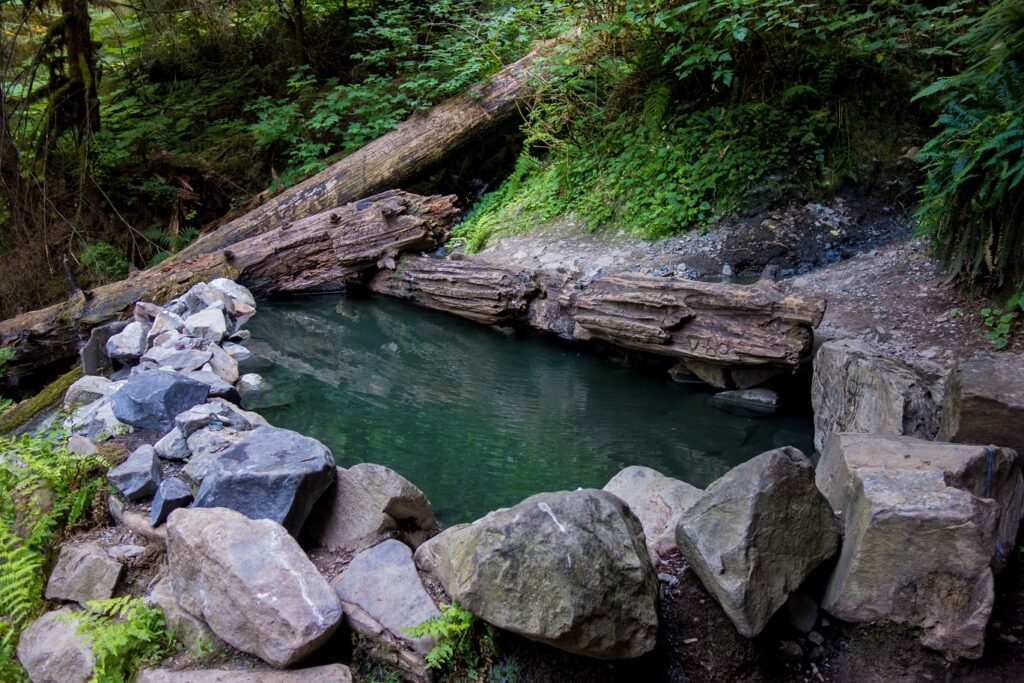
[470, 289]
[722, 323]
[319, 252]
[392, 159]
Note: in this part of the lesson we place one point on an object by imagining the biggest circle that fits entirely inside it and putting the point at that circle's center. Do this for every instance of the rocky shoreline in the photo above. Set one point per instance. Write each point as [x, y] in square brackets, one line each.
[243, 524]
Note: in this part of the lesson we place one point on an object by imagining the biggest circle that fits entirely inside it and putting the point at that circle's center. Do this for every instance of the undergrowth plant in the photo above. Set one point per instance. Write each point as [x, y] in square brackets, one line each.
[463, 644]
[972, 203]
[1000, 322]
[124, 633]
[44, 491]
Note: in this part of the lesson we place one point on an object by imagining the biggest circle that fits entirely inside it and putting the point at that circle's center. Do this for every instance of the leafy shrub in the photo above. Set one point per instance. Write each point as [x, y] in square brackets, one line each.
[462, 642]
[972, 201]
[125, 632]
[104, 262]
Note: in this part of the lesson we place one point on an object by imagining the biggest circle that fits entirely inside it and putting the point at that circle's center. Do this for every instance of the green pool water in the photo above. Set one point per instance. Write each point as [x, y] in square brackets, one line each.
[480, 418]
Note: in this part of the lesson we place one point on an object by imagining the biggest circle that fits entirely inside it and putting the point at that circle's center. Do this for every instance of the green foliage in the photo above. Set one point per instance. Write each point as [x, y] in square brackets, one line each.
[463, 643]
[999, 322]
[125, 632]
[973, 197]
[44, 489]
[663, 117]
[104, 262]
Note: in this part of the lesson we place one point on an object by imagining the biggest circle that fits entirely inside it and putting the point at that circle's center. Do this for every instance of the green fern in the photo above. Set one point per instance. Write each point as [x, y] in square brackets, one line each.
[125, 632]
[461, 640]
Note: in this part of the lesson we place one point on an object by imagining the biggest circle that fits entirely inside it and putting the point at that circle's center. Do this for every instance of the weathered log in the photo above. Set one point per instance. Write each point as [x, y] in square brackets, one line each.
[470, 289]
[322, 251]
[392, 159]
[720, 323]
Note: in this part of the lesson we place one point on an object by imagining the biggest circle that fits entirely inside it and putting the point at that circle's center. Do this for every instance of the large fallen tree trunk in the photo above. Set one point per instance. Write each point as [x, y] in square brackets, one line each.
[747, 326]
[392, 159]
[322, 251]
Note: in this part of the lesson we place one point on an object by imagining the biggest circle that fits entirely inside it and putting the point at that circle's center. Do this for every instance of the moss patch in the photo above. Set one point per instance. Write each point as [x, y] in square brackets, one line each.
[51, 395]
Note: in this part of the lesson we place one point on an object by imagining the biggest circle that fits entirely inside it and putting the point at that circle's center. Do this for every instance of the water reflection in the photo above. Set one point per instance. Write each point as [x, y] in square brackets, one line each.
[481, 418]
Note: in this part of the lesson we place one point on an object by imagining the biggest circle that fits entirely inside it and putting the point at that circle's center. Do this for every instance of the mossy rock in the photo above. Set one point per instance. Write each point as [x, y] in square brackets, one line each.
[51, 395]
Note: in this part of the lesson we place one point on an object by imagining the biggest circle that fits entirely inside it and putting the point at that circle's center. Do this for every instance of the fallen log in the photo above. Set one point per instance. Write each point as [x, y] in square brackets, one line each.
[392, 159]
[469, 289]
[322, 251]
[749, 326]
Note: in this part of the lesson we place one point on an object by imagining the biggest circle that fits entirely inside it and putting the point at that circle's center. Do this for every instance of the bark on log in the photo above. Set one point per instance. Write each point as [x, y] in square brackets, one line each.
[721, 323]
[322, 251]
[469, 289]
[392, 159]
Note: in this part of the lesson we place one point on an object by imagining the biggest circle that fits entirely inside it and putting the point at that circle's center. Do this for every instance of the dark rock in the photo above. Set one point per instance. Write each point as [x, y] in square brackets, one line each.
[172, 494]
[802, 611]
[151, 400]
[139, 475]
[752, 402]
[93, 354]
[271, 474]
[791, 651]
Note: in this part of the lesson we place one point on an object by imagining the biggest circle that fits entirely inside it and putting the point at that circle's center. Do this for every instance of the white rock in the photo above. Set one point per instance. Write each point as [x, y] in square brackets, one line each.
[208, 324]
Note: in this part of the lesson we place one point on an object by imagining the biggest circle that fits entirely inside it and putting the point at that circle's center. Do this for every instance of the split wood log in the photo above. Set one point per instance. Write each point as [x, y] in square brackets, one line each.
[392, 159]
[322, 251]
[720, 323]
[469, 289]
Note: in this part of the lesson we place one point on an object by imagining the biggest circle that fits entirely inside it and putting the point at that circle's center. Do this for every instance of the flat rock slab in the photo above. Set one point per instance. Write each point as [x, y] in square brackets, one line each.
[369, 504]
[756, 534]
[151, 400]
[917, 552]
[985, 402]
[657, 501]
[985, 471]
[272, 474]
[138, 476]
[82, 573]
[331, 673]
[857, 388]
[52, 651]
[251, 583]
[381, 594]
[570, 569]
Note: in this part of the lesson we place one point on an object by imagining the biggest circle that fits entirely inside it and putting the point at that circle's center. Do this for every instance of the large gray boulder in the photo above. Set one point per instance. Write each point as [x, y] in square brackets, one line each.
[382, 595]
[272, 473]
[657, 501]
[189, 630]
[369, 504]
[756, 534]
[151, 400]
[251, 583]
[857, 388]
[139, 475]
[985, 471]
[569, 569]
[52, 651]
[916, 552]
[329, 673]
[82, 573]
[985, 401]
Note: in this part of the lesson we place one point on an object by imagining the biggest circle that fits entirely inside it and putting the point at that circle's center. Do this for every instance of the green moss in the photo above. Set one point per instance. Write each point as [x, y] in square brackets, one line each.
[51, 395]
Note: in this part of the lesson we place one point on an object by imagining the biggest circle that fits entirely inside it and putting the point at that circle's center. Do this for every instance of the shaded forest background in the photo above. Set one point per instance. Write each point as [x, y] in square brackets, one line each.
[129, 127]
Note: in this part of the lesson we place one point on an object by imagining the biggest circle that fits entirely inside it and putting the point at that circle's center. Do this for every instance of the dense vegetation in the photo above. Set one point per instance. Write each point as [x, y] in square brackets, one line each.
[128, 127]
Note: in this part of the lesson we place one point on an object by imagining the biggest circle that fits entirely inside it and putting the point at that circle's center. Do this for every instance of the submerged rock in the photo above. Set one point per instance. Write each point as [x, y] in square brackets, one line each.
[369, 504]
[382, 595]
[251, 583]
[272, 474]
[985, 402]
[747, 401]
[51, 650]
[569, 569]
[857, 388]
[82, 573]
[151, 400]
[916, 552]
[657, 501]
[756, 534]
